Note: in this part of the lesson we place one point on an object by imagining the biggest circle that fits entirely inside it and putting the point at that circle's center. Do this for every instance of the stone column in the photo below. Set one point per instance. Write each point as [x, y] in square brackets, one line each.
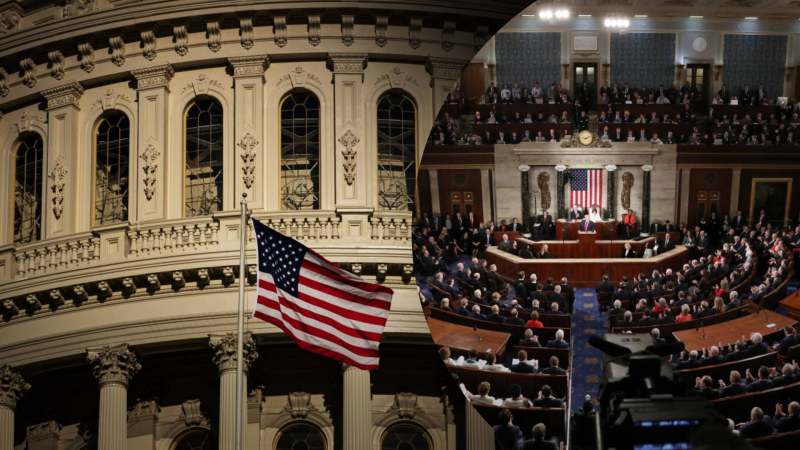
[480, 435]
[646, 169]
[444, 74]
[736, 180]
[683, 202]
[113, 368]
[150, 181]
[526, 197]
[561, 212]
[486, 193]
[12, 388]
[436, 207]
[357, 409]
[224, 346]
[61, 191]
[248, 105]
[611, 191]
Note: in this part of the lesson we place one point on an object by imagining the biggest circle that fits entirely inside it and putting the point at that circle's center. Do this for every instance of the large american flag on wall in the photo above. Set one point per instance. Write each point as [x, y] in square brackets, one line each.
[325, 309]
[586, 187]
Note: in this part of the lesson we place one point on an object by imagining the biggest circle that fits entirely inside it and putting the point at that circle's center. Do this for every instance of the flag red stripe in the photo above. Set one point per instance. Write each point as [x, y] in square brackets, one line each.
[335, 272]
[313, 348]
[335, 290]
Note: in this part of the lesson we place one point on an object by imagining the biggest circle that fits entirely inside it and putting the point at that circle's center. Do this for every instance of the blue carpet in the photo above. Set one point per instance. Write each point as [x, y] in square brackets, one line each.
[585, 359]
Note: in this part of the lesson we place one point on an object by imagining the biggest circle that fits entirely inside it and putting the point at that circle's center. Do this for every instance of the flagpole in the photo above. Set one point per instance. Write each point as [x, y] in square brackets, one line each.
[238, 442]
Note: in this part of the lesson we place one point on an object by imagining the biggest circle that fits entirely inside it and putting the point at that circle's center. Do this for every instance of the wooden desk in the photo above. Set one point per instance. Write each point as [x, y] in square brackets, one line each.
[580, 250]
[792, 304]
[566, 229]
[732, 330]
[463, 339]
[583, 271]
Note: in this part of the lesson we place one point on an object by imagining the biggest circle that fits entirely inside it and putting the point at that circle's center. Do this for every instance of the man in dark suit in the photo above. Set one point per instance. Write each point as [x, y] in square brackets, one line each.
[522, 366]
[762, 383]
[703, 388]
[655, 227]
[759, 425]
[745, 94]
[575, 213]
[530, 340]
[514, 319]
[476, 313]
[666, 317]
[617, 310]
[702, 243]
[791, 422]
[762, 220]
[547, 400]
[495, 315]
[586, 226]
[462, 308]
[735, 388]
[519, 286]
[758, 347]
[553, 369]
[626, 321]
[739, 222]
[508, 434]
[725, 95]
[538, 442]
[604, 286]
[618, 136]
[790, 339]
[546, 225]
[712, 357]
[559, 342]
[559, 299]
[691, 363]
[668, 244]
[515, 225]
[646, 320]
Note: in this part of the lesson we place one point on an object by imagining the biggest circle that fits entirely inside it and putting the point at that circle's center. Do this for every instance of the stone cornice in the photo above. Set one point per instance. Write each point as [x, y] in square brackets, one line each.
[343, 63]
[153, 77]
[445, 67]
[64, 95]
[248, 66]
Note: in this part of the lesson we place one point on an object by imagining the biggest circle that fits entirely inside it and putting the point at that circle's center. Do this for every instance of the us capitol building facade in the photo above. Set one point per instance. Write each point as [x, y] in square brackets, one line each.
[129, 132]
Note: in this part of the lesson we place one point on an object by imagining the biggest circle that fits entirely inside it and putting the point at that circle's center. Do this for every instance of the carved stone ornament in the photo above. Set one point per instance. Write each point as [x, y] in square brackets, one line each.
[3, 82]
[24, 123]
[543, 181]
[246, 31]
[74, 8]
[202, 84]
[255, 396]
[225, 351]
[113, 365]
[448, 32]
[248, 66]
[67, 94]
[585, 139]
[299, 405]
[314, 29]
[12, 386]
[414, 32]
[381, 30]
[524, 168]
[349, 140]
[43, 430]
[348, 62]
[611, 167]
[110, 99]
[28, 67]
[248, 145]
[10, 307]
[56, 60]
[348, 21]
[481, 37]
[150, 156]
[86, 53]
[647, 168]
[10, 19]
[214, 36]
[192, 414]
[144, 408]
[117, 46]
[445, 67]
[149, 44]
[560, 168]
[151, 77]
[181, 36]
[405, 404]
[280, 31]
[627, 186]
[58, 175]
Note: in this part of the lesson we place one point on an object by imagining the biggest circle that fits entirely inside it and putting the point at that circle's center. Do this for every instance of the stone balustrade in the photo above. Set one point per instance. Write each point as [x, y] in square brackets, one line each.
[39, 258]
[164, 238]
[391, 227]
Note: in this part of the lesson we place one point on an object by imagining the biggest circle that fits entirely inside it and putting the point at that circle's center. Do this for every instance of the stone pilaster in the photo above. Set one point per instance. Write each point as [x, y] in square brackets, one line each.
[150, 180]
[480, 435]
[526, 197]
[114, 367]
[143, 423]
[646, 169]
[433, 176]
[12, 388]
[357, 409]
[224, 346]
[61, 194]
[248, 83]
[736, 180]
[611, 191]
[444, 74]
[44, 435]
[561, 209]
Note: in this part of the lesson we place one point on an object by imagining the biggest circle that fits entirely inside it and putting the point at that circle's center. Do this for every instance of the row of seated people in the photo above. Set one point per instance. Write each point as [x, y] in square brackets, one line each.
[618, 135]
[738, 351]
[746, 97]
[761, 425]
[776, 137]
[521, 364]
[515, 397]
[625, 117]
[501, 137]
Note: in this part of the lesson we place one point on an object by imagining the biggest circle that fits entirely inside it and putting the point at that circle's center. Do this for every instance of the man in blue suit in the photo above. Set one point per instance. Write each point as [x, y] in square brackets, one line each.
[522, 366]
[586, 224]
[559, 342]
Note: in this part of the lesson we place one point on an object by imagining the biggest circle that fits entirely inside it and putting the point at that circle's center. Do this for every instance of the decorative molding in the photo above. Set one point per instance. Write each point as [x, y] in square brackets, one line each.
[113, 365]
[314, 29]
[152, 77]
[33, 303]
[647, 168]
[414, 32]
[181, 36]
[24, 123]
[148, 44]
[560, 168]
[28, 67]
[481, 37]
[10, 19]
[42, 430]
[448, 33]
[224, 347]
[611, 167]
[348, 62]
[86, 53]
[3, 82]
[255, 396]
[717, 72]
[246, 30]
[56, 298]
[74, 8]
[298, 78]
[12, 386]
[56, 60]
[201, 85]
[11, 309]
[349, 140]
[66, 94]
[575, 141]
[58, 175]
[445, 67]
[299, 405]
[248, 66]
[144, 409]
[405, 405]
[117, 46]
[627, 186]
[193, 415]
[150, 156]
[381, 30]
[248, 145]
[109, 100]
[280, 31]
[524, 168]
[397, 79]
[543, 181]
[214, 36]
[348, 27]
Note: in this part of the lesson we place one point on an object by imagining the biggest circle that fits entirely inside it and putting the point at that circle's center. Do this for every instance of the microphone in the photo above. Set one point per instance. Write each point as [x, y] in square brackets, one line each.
[704, 329]
[761, 308]
[475, 327]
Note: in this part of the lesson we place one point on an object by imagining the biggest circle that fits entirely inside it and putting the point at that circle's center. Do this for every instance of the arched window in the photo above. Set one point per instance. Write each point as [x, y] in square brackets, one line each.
[300, 151]
[203, 142]
[196, 439]
[397, 152]
[112, 150]
[300, 436]
[405, 437]
[28, 181]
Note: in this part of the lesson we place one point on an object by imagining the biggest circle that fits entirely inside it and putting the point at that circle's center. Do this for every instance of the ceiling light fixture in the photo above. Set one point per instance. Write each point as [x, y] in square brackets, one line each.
[640, 16]
[553, 15]
[584, 15]
[695, 17]
[751, 18]
[529, 15]
[614, 22]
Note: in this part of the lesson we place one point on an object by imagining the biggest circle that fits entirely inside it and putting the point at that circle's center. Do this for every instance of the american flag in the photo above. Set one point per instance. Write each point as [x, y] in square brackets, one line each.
[586, 187]
[325, 309]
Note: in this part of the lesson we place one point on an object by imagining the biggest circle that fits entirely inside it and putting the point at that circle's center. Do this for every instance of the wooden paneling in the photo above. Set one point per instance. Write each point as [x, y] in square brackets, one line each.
[461, 155]
[461, 187]
[715, 185]
[472, 81]
[746, 184]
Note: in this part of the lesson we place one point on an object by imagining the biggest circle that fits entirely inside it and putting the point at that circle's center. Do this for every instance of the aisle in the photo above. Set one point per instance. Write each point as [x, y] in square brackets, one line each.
[585, 359]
